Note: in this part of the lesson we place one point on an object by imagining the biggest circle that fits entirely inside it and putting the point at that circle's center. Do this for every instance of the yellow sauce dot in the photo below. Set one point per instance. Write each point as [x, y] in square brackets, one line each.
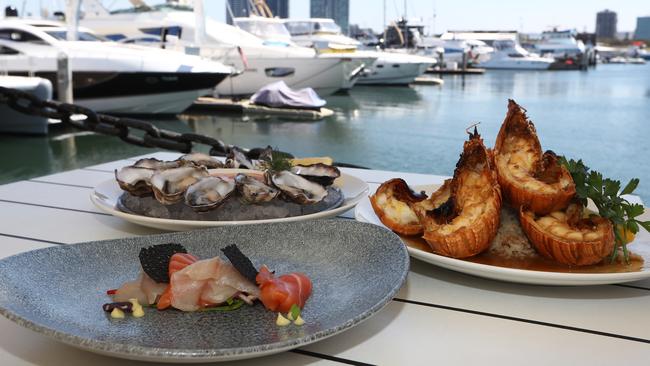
[138, 312]
[282, 321]
[117, 314]
[299, 321]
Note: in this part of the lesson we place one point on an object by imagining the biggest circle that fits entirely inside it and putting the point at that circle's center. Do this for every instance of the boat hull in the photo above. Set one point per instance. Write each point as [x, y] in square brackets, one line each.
[137, 92]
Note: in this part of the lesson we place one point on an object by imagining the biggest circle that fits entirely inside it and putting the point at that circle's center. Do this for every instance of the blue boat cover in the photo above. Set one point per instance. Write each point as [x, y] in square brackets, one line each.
[279, 95]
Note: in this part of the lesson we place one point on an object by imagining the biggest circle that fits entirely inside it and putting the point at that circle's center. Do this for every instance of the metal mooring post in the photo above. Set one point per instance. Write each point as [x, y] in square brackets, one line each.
[63, 78]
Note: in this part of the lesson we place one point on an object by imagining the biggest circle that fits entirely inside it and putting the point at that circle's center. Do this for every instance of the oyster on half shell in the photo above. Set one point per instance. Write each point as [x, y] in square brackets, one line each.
[169, 185]
[135, 180]
[298, 188]
[156, 164]
[208, 193]
[320, 173]
[254, 190]
[202, 159]
[237, 159]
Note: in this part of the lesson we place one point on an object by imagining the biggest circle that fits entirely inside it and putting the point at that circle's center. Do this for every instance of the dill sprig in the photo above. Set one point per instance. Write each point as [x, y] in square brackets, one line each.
[606, 194]
[277, 162]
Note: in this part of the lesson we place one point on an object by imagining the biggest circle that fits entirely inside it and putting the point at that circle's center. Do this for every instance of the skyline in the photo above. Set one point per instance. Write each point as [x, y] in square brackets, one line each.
[531, 17]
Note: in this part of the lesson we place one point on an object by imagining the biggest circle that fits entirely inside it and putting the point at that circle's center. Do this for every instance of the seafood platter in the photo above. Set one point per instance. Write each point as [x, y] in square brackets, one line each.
[219, 294]
[516, 213]
[198, 190]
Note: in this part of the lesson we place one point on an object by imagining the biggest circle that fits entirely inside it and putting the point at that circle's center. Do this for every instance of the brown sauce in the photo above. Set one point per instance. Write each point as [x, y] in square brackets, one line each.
[535, 262]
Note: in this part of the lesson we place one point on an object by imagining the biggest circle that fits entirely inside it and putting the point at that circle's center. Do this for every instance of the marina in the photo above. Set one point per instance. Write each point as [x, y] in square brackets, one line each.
[277, 182]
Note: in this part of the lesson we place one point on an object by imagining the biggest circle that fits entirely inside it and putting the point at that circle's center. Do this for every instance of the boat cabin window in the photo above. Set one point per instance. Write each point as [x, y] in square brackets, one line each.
[264, 29]
[4, 50]
[62, 35]
[327, 27]
[279, 72]
[299, 28]
[17, 35]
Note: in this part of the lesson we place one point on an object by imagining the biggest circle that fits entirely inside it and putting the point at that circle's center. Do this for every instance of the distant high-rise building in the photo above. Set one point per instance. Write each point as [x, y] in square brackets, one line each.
[239, 8]
[642, 28]
[606, 24]
[279, 8]
[242, 8]
[339, 10]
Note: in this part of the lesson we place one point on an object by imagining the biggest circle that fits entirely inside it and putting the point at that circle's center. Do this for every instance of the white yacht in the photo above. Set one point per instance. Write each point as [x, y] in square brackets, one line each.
[274, 32]
[258, 62]
[509, 55]
[558, 44]
[107, 76]
[390, 68]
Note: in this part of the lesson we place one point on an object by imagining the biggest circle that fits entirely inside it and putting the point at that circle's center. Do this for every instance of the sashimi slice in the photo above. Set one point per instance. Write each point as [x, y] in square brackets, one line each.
[207, 282]
[280, 293]
[177, 262]
[142, 288]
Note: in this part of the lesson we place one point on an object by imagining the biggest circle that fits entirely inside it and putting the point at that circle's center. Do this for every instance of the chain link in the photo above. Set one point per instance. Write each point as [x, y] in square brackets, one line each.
[132, 131]
[124, 128]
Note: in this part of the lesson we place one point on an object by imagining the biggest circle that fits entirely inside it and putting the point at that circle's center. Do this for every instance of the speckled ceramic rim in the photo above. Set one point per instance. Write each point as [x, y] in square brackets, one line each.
[108, 204]
[141, 353]
[363, 213]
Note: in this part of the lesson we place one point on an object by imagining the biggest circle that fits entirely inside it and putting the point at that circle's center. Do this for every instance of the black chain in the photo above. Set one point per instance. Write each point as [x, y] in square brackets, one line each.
[88, 120]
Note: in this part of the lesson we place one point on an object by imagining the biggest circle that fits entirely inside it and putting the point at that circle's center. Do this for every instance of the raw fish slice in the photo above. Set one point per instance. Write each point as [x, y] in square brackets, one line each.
[280, 293]
[177, 262]
[142, 288]
[207, 281]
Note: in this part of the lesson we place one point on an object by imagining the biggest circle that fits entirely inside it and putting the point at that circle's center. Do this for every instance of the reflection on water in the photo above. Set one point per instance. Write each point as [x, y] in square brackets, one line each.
[599, 116]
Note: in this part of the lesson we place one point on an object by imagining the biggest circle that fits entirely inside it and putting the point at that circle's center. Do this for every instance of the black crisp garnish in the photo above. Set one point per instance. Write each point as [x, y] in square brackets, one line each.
[240, 261]
[155, 260]
[125, 306]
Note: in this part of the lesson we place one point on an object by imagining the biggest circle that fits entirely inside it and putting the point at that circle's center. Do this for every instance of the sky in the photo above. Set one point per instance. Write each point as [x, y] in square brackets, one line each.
[529, 16]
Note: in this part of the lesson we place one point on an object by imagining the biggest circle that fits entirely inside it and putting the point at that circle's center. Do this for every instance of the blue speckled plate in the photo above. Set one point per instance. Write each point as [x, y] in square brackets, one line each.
[355, 268]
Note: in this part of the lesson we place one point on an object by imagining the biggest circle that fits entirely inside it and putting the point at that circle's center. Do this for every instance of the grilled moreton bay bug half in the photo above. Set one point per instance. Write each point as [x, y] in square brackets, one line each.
[569, 236]
[391, 203]
[463, 216]
[169, 185]
[526, 176]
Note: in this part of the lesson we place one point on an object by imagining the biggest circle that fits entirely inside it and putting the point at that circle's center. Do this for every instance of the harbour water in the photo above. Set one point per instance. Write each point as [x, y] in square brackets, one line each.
[600, 116]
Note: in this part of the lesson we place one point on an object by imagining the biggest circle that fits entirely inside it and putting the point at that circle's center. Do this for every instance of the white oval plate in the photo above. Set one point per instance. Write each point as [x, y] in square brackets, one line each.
[364, 213]
[106, 194]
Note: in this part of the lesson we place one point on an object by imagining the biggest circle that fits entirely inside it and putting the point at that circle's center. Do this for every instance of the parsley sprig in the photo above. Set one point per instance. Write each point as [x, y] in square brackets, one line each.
[606, 194]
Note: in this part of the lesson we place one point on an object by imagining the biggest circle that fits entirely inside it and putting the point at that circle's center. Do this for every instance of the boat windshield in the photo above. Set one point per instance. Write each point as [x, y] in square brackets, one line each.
[157, 7]
[297, 28]
[264, 29]
[61, 35]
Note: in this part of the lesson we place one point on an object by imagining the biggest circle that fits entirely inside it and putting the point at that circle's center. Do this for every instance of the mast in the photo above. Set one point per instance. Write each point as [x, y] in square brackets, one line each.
[199, 20]
[72, 9]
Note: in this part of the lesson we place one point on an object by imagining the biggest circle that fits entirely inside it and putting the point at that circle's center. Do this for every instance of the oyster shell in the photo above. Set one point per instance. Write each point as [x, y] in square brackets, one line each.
[298, 188]
[208, 193]
[320, 173]
[237, 159]
[156, 164]
[201, 159]
[135, 180]
[169, 185]
[253, 190]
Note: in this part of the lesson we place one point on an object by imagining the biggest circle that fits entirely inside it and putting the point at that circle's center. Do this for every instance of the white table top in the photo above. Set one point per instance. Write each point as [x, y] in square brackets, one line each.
[438, 317]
